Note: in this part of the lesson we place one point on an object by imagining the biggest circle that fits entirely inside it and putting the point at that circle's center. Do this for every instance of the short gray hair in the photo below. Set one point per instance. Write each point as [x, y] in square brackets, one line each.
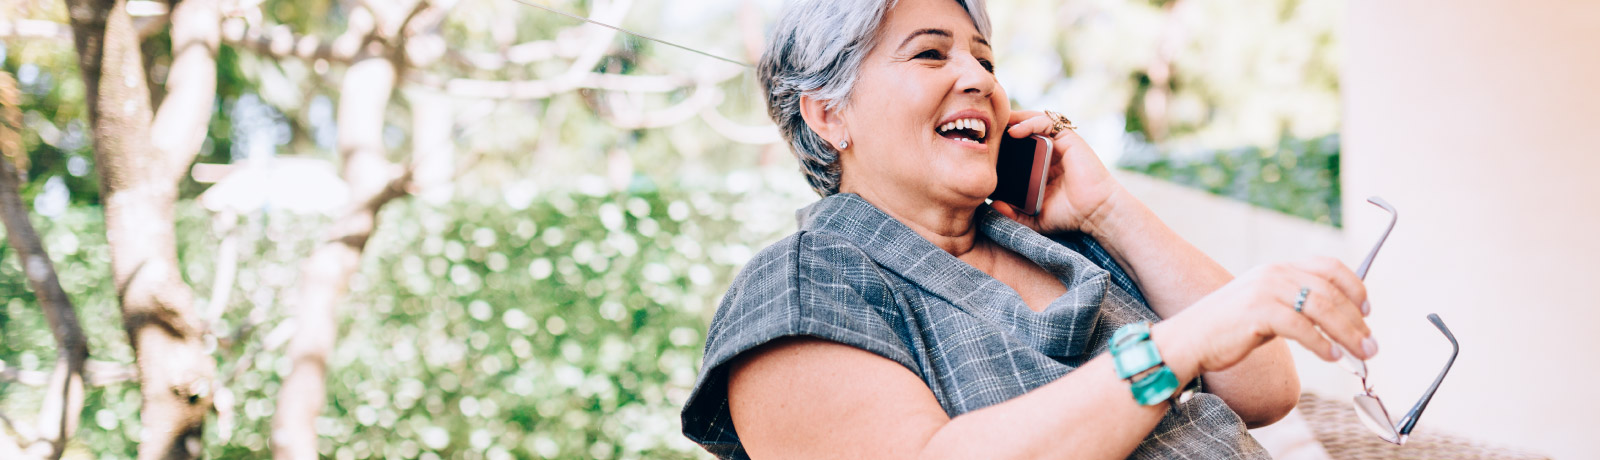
[816, 50]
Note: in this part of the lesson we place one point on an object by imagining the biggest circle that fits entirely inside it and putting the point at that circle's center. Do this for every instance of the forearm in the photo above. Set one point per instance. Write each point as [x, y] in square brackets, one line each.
[1088, 413]
[1173, 274]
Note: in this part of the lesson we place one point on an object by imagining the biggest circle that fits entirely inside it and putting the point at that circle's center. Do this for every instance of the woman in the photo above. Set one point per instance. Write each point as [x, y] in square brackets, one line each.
[908, 319]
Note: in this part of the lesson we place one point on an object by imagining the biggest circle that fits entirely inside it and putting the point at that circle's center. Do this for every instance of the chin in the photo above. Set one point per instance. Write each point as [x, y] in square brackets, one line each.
[971, 188]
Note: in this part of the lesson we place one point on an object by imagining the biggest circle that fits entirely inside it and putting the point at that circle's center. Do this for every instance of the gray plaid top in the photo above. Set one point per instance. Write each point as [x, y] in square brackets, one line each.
[856, 276]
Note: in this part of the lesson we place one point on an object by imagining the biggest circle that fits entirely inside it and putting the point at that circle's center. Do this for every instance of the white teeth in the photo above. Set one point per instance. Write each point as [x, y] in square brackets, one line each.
[976, 125]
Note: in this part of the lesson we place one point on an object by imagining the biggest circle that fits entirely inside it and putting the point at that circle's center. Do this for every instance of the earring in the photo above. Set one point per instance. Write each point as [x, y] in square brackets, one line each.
[844, 144]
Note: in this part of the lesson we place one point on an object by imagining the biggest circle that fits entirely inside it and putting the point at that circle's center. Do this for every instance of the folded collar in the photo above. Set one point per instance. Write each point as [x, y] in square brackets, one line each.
[1062, 329]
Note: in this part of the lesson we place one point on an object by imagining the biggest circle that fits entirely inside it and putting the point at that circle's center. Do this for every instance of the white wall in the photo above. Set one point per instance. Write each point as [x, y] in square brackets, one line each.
[1480, 121]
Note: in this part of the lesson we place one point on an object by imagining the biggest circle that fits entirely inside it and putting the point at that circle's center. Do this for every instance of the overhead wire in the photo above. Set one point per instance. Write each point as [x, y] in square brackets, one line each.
[630, 32]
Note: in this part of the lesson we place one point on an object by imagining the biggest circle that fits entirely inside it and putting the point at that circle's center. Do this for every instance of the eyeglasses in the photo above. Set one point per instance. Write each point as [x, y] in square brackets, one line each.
[1368, 407]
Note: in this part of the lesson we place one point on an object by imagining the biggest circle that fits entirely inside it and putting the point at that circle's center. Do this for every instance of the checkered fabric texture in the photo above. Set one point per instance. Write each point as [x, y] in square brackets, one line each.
[854, 275]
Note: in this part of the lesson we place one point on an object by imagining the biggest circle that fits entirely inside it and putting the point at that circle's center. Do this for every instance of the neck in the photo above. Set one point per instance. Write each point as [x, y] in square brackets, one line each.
[952, 228]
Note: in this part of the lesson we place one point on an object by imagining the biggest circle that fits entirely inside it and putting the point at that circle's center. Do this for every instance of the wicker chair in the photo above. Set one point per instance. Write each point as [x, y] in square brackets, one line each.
[1343, 437]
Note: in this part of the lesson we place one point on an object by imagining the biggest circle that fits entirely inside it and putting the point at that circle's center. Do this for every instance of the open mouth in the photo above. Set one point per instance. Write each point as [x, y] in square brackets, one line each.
[972, 130]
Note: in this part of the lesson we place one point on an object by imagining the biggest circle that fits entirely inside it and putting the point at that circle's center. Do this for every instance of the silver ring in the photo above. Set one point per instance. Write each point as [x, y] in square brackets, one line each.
[1300, 300]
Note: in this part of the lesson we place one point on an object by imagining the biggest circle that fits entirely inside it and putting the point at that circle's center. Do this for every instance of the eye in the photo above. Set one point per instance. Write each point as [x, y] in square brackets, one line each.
[987, 65]
[930, 54]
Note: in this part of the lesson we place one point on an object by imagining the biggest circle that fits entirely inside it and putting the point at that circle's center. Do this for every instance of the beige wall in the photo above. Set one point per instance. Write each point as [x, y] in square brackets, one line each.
[1480, 121]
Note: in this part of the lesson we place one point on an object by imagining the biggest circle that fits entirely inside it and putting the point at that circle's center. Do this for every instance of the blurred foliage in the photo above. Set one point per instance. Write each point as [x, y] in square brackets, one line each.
[569, 328]
[56, 135]
[1298, 177]
[1232, 82]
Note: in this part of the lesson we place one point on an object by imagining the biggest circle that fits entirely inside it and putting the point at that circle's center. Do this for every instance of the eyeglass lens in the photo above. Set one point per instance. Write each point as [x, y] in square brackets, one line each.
[1376, 418]
[1372, 414]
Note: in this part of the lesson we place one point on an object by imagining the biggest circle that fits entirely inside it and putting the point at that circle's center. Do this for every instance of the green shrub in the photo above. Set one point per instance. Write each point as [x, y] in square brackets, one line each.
[569, 329]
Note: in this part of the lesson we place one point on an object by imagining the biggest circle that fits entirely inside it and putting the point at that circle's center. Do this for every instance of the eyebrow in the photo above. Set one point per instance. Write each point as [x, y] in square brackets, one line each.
[939, 32]
[921, 32]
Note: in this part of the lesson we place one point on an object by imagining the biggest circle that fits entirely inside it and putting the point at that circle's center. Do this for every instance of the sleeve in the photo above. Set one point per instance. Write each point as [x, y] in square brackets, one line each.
[805, 285]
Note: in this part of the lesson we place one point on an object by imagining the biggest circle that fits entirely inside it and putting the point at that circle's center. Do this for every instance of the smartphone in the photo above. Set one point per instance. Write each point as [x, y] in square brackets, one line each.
[1020, 171]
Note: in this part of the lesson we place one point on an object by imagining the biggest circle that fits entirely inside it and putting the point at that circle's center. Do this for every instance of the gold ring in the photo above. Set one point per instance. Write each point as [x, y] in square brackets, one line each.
[1058, 123]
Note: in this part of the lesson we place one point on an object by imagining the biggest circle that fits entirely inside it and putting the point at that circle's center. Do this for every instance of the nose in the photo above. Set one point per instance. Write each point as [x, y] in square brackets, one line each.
[974, 78]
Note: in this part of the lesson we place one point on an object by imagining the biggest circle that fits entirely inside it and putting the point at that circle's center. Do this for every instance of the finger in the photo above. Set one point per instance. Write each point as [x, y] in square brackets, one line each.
[1339, 275]
[1296, 327]
[1035, 125]
[1018, 115]
[1335, 314]
[1006, 209]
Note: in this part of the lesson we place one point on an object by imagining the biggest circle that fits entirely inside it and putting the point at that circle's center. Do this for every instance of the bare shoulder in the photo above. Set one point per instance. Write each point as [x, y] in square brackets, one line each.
[804, 397]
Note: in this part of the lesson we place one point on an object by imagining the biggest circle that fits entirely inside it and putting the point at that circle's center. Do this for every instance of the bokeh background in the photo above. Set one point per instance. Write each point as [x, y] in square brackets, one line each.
[545, 289]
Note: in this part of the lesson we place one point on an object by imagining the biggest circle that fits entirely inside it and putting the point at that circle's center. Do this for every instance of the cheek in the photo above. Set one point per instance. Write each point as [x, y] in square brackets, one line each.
[908, 98]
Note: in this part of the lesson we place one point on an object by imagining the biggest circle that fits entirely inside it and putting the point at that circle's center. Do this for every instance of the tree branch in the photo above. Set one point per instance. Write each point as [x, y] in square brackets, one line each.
[180, 124]
[518, 54]
[325, 275]
[96, 374]
[432, 145]
[139, 189]
[10, 448]
[36, 29]
[63, 400]
[227, 223]
[744, 134]
[148, 24]
[704, 104]
[405, 29]
[13, 448]
[626, 115]
[279, 42]
[540, 89]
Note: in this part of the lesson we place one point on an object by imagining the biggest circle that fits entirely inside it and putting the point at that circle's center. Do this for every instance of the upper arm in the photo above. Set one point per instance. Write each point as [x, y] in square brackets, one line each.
[803, 397]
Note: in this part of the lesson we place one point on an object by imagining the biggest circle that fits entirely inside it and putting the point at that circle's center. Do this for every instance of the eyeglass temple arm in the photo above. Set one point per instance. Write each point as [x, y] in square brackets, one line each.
[1394, 216]
[1410, 420]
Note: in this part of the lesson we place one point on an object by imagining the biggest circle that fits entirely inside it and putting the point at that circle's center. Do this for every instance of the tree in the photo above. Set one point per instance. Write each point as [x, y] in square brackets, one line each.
[325, 275]
[141, 154]
[58, 416]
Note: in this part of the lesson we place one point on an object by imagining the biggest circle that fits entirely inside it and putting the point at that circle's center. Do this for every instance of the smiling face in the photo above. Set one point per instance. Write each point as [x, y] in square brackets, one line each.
[926, 113]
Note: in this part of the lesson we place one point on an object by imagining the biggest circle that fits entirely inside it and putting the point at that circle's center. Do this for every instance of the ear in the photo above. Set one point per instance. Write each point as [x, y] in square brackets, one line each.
[826, 123]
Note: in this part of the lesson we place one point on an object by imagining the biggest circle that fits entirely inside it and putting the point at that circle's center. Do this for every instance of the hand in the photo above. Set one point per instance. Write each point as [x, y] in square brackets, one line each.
[1076, 187]
[1224, 327]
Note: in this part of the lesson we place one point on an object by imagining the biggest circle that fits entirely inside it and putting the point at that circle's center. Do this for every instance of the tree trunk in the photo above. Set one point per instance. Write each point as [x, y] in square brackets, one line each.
[139, 177]
[325, 275]
[63, 399]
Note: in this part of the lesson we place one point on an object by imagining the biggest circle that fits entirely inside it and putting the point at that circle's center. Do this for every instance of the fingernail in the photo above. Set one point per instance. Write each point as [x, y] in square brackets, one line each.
[1366, 308]
[1337, 353]
[1369, 346]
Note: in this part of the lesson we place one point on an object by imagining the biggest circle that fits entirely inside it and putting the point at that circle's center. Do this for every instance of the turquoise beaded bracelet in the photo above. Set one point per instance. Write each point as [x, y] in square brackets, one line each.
[1136, 359]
